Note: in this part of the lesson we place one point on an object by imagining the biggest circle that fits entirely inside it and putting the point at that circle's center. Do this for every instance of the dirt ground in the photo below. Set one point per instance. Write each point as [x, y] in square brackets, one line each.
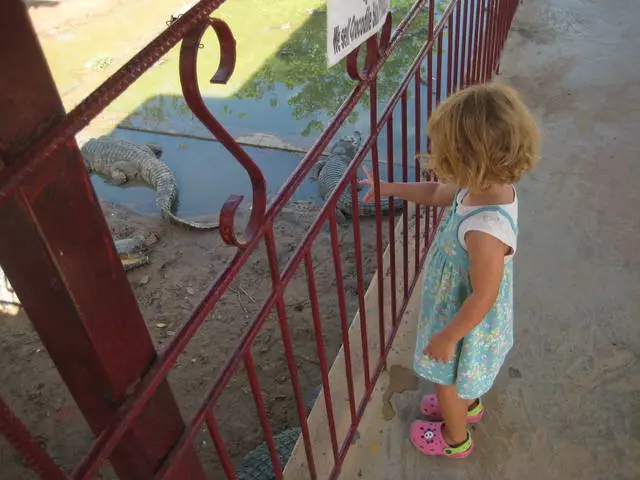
[183, 266]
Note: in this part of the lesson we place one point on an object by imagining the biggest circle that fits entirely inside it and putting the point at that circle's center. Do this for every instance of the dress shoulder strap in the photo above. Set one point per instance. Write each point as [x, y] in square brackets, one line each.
[492, 208]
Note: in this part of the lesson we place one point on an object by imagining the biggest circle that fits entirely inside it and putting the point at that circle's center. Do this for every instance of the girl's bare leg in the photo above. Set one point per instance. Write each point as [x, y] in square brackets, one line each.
[454, 413]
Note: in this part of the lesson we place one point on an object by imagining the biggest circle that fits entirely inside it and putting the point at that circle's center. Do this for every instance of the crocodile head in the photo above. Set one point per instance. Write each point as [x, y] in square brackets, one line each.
[347, 146]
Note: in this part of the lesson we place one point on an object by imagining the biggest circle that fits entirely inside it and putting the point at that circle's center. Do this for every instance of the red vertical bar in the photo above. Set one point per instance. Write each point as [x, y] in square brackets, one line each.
[335, 250]
[488, 45]
[502, 11]
[463, 43]
[418, 135]
[392, 221]
[262, 413]
[322, 356]
[360, 282]
[450, 56]
[482, 46]
[221, 449]
[439, 70]
[431, 19]
[432, 6]
[373, 121]
[430, 89]
[493, 34]
[456, 51]
[31, 452]
[478, 5]
[405, 178]
[467, 44]
[288, 349]
[52, 229]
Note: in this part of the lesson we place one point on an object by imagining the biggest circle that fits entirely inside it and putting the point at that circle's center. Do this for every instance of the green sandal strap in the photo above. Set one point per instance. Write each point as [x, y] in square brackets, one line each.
[463, 447]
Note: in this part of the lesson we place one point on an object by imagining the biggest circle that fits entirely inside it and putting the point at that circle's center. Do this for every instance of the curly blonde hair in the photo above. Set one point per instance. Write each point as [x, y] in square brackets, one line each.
[483, 135]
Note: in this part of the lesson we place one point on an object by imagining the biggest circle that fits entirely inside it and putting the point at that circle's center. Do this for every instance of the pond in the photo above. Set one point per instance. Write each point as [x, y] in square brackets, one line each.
[284, 102]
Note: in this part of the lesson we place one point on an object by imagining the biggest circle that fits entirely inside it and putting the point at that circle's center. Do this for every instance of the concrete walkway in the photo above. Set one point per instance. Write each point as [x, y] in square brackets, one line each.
[567, 405]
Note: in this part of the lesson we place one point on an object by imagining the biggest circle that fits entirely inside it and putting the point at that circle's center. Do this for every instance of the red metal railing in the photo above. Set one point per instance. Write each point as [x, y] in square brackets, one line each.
[475, 32]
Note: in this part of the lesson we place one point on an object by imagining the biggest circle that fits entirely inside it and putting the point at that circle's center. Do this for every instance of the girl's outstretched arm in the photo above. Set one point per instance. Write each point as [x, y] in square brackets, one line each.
[486, 258]
[424, 193]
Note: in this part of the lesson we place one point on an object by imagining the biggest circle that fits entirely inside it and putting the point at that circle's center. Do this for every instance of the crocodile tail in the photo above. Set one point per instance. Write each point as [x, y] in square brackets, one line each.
[369, 209]
[190, 224]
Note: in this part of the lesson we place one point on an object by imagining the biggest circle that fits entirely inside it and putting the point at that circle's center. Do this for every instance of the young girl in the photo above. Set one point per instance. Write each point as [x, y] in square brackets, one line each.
[483, 139]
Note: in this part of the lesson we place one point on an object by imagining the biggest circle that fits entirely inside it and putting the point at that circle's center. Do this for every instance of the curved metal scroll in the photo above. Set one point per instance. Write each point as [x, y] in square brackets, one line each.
[191, 91]
[374, 46]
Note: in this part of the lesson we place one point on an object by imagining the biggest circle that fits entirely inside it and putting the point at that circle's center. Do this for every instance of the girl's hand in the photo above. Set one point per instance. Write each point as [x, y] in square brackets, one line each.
[440, 348]
[369, 197]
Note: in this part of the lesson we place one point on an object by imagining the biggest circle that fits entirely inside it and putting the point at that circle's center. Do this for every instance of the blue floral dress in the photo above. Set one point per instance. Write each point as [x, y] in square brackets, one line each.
[480, 355]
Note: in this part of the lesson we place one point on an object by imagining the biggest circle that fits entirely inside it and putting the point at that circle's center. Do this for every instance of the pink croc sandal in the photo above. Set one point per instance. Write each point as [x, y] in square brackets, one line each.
[430, 408]
[427, 438]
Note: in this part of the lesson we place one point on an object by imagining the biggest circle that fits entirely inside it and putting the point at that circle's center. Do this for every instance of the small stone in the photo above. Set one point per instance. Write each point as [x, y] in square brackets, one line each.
[514, 373]
[190, 291]
[150, 239]
[144, 280]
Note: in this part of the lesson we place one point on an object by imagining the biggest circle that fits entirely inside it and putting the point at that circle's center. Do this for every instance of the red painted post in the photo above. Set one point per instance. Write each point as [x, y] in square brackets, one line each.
[57, 251]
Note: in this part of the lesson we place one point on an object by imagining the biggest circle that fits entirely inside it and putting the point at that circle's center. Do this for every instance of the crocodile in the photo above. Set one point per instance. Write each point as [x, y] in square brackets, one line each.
[329, 170]
[257, 464]
[120, 161]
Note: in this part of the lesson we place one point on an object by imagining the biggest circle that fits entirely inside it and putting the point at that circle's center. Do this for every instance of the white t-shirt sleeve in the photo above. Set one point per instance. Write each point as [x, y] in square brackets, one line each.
[493, 223]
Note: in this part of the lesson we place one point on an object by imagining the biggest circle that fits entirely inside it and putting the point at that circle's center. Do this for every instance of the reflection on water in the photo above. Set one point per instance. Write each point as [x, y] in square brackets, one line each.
[292, 96]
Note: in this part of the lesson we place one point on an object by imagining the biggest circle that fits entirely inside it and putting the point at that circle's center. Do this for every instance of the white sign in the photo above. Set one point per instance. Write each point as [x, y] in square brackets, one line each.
[351, 22]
